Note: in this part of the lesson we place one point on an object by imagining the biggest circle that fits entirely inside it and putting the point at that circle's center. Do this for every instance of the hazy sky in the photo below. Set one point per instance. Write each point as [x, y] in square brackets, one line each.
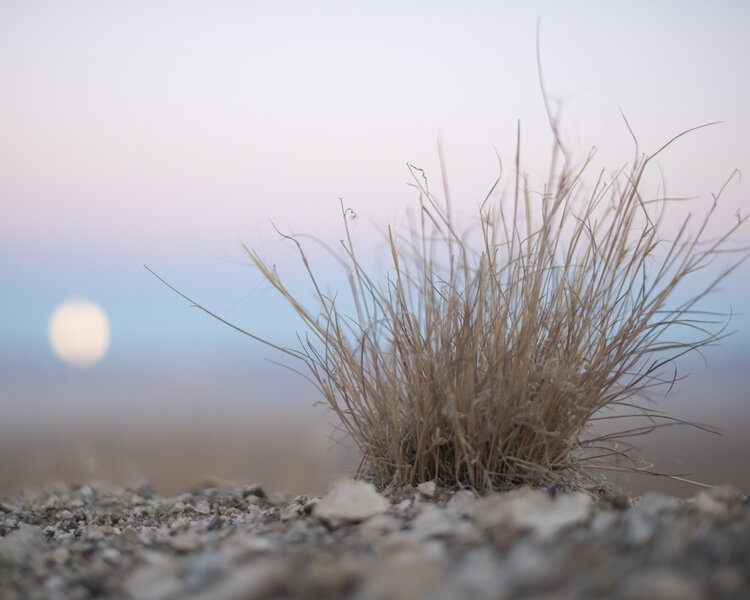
[169, 133]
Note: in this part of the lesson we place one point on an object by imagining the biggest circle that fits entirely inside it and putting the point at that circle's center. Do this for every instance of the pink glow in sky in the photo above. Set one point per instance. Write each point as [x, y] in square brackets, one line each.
[139, 126]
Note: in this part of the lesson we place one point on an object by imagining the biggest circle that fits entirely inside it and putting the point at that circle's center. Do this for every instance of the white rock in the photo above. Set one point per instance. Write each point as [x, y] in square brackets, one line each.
[111, 555]
[435, 522]
[461, 503]
[716, 501]
[202, 508]
[349, 501]
[9, 508]
[427, 489]
[532, 510]
[378, 526]
[708, 505]
[653, 503]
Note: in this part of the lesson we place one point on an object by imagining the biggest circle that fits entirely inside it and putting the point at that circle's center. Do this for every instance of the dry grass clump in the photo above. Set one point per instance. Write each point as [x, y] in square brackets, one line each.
[482, 358]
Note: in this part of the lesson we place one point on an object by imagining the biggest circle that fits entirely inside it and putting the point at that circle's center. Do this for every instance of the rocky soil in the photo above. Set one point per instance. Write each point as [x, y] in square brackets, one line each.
[212, 543]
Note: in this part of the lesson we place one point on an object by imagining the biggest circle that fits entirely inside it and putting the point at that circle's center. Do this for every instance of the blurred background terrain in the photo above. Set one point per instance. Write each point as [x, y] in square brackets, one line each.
[170, 133]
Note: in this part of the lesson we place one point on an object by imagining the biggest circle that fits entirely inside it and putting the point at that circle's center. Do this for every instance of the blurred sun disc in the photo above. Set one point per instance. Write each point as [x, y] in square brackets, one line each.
[79, 332]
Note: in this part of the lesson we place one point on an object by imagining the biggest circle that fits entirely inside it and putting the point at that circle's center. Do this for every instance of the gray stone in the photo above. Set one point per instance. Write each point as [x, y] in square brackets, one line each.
[532, 510]
[18, 547]
[434, 522]
[253, 490]
[8, 508]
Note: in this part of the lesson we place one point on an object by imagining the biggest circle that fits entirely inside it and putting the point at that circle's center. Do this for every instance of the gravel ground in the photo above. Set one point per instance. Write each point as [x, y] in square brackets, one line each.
[214, 543]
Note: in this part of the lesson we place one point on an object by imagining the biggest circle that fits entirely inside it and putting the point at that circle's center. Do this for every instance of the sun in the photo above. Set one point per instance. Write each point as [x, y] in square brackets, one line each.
[79, 332]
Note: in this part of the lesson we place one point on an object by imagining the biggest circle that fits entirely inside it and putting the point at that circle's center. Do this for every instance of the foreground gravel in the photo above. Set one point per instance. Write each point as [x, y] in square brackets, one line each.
[211, 543]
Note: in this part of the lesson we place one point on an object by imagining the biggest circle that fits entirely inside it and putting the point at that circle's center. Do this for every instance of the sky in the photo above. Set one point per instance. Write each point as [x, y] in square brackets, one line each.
[171, 133]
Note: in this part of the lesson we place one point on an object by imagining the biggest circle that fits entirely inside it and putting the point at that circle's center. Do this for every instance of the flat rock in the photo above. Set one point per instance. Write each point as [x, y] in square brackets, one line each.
[350, 501]
[433, 522]
[532, 510]
[427, 489]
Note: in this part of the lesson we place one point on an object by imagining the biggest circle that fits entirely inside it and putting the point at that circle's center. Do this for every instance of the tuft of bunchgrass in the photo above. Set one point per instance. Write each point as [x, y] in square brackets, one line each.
[482, 358]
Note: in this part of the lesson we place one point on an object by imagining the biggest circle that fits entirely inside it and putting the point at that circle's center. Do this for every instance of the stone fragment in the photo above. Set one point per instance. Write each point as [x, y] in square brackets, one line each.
[708, 505]
[379, 525]
[8, 508]
[310, 505]
[214, 523]
[654, 503]
[716, 501]
[53, 502]
[427, 489]
[462, 502]
[111, 555]
[532, 510]
[434, 522]
[350, 501]
[253, 490]
[145, 490]
[202, 508]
